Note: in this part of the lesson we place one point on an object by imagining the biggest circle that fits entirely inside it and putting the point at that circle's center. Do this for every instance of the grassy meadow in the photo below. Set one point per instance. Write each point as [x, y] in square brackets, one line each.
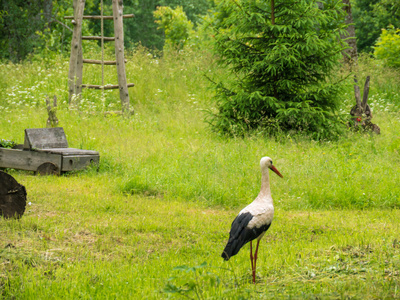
[152, 220]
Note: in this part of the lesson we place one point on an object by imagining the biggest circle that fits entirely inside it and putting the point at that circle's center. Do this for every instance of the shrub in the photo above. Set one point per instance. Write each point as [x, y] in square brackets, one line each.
[388, 47]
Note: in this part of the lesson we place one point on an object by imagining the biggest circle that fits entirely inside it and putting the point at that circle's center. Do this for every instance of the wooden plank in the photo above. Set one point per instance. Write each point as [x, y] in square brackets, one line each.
[76, 44]
[98, 62]
[27, 160]
[107, 39]
[78, 162]
[119, 53]
[69, 151]
[106, 87]
[45, 138]
[99, 17]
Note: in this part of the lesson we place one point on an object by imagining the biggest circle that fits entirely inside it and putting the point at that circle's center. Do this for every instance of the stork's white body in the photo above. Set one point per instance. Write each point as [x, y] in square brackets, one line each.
[262, 213]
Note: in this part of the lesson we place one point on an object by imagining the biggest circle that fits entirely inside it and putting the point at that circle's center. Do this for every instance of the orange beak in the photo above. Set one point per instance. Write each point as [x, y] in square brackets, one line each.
[276, 171]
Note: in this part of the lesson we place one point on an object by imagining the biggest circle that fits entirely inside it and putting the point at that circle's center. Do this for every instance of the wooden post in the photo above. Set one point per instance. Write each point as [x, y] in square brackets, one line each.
[76, 47]
[52, 121]
[119, 54]
[79, 72]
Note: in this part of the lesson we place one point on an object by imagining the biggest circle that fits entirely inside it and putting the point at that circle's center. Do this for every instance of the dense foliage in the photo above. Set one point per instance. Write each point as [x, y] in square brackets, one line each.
[388, 47]
[370, 16]
[39, 26]
[19, 21]
[281, 59]
[175, 24]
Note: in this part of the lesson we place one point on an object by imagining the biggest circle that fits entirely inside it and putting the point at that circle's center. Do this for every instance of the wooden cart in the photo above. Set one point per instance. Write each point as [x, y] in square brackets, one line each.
[45, 151]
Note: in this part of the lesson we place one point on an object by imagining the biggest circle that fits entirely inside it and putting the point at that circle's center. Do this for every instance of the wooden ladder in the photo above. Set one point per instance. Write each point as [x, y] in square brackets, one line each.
[76, 59]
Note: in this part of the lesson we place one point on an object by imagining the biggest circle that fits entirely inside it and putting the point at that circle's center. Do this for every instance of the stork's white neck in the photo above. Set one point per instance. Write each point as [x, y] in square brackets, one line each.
[265, 192]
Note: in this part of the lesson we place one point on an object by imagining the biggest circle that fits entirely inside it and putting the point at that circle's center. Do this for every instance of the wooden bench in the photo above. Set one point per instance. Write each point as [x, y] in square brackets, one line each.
[46, 151]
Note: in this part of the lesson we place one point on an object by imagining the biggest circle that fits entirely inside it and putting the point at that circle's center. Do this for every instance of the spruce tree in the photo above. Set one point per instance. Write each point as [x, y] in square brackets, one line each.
[280, 57]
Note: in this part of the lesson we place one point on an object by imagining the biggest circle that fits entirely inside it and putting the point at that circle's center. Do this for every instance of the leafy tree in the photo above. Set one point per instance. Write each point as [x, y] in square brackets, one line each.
[36, 26]
[18, 25]
[143, 27]
[175, 24]
[194, 9]
[388, 47]
[280, 56]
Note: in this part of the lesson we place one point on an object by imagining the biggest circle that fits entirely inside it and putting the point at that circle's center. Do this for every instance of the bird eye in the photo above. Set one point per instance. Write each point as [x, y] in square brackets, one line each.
[271, 162]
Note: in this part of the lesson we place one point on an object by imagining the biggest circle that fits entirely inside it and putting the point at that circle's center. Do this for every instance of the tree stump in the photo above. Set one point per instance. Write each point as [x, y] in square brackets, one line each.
[12, 197]
[361, 113]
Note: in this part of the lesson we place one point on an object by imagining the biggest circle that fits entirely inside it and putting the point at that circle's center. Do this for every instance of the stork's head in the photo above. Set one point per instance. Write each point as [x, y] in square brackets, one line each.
[266, 162]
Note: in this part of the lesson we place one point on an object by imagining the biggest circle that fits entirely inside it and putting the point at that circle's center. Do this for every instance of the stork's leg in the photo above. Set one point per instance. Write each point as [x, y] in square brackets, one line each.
[251, 256]
[255, 262]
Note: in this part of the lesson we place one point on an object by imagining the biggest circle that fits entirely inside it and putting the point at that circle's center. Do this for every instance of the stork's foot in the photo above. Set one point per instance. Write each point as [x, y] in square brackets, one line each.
[255, 280]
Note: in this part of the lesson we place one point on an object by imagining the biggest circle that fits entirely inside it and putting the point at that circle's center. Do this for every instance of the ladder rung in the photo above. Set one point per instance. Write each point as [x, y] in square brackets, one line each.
[98, 62]
[106, 87]
[99, 17]
[98, 38]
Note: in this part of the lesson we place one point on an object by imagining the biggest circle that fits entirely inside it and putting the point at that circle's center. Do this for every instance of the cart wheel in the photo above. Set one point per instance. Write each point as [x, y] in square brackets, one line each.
[48, 169]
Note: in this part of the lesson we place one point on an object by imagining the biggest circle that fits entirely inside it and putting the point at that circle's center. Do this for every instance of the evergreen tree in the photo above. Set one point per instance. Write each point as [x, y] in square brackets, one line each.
[281, 56]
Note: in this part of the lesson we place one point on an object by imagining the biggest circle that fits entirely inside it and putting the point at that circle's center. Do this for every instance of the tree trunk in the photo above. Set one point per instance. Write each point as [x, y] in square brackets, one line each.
[350, 54]
[47, 12]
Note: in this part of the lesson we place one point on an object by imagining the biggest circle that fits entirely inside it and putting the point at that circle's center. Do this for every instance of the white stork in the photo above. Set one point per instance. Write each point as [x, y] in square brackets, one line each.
[254, 220]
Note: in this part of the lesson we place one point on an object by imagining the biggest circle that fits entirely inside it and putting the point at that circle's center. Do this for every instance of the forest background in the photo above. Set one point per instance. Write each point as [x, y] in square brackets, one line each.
[31, 27]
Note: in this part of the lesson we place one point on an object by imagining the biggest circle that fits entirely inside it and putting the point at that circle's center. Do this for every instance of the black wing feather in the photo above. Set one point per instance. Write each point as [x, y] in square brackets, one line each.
[240, 234]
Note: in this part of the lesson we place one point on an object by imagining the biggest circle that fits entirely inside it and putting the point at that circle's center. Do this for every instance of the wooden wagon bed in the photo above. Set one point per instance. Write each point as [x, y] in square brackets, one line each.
[46, 151]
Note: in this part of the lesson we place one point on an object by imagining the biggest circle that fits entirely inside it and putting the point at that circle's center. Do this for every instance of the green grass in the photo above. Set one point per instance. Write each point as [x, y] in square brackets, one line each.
[152, 221]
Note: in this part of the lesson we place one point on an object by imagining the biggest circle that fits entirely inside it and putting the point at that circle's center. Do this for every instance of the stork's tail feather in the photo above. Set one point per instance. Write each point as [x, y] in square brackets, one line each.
[228, 251]
[232, 248]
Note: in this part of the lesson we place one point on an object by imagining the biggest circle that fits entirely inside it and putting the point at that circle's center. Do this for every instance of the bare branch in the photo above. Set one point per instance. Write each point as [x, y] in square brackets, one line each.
[62, 24]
